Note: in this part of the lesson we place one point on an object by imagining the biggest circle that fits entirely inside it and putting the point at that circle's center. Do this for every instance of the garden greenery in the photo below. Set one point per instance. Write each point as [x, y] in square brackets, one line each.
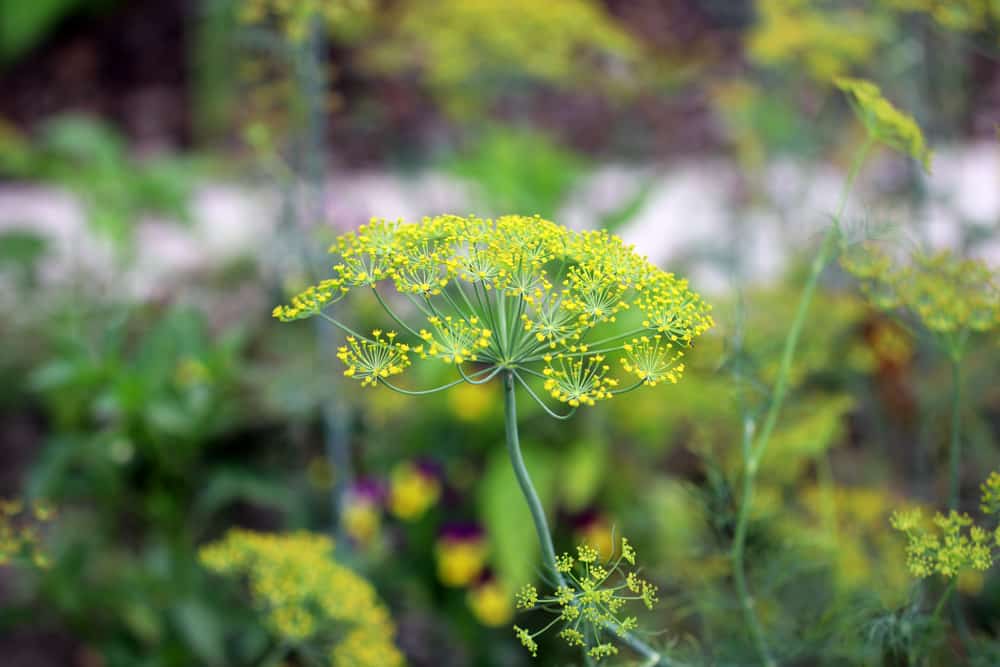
[530, 301]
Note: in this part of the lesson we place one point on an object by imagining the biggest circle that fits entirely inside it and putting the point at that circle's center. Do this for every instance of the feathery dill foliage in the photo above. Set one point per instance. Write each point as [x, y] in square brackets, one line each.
[952, 543]
[589, 601]
[518, 294]
[305, 595]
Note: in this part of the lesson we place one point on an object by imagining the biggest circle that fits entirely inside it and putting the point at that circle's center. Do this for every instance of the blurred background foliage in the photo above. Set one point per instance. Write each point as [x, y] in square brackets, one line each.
[158, 409]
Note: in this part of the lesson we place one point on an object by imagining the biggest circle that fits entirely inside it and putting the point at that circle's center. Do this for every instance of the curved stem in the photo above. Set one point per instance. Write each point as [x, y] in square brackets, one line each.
[400, 322]
[753, 451]
[524, 479]
[540, 402]
[955, 455]
[424, 392]
[653, 657]
[944, 598]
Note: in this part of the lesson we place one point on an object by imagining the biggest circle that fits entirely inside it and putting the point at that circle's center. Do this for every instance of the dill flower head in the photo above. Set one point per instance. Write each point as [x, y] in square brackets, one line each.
[950, 297]
[883, 121]
[590, 604]
[464, 45]
[307, 597]
[579, 315]
[823, 41]
[953, 544]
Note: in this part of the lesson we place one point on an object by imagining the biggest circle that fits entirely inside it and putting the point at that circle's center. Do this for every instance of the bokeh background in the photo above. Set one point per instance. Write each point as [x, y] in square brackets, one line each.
[171, 169]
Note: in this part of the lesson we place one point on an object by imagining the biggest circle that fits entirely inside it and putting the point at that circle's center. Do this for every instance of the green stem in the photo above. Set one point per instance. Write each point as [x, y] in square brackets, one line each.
[524, 480]
[753, 452]
[652, 657]
[956, 440]
[944, 598]
[739, 548]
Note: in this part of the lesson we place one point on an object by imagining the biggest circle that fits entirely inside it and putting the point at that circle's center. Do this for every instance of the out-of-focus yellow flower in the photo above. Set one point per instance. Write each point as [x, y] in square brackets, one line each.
[491, 603]
[461, 556]
[462, 44]
[412, 491]
[470, 402]
[825, 42]
[361, 514]
[595, 531]
[307, 596]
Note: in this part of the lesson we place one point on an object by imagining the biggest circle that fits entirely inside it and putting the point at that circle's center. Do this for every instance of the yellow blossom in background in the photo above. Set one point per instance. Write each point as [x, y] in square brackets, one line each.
[471, 402]
[460, 559]
[306, 596]
[491, 603]
[863, 553]
[599, 534]
[826, 42]
[949, 296]
[462, 45]
[412, 491]
[362, 520]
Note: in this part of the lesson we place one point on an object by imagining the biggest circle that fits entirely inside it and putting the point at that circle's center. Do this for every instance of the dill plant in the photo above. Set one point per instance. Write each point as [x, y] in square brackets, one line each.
[886, 125]
[307, 600]
[530, 304]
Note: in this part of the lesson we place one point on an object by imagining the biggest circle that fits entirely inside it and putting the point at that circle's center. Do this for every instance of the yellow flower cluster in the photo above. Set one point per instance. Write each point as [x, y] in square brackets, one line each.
[951, 297]
[375, 359]
[19, 537]
[952, 544]
[652, 360]
[826, 42]
[883, 121]
[589, 604]
[459, 43]
[293, 18]
[511, 294]
[306, 596]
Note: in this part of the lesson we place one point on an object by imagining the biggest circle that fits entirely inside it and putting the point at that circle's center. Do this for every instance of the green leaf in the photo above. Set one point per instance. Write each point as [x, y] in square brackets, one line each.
[584, 467]
[200, 627]
[511, 532]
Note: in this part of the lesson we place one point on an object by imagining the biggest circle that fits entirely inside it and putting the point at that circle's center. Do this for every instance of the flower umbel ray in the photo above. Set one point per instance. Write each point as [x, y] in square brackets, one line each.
[518, 294]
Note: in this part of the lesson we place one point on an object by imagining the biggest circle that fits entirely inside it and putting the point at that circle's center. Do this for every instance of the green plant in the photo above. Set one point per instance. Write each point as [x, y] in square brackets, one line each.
[318, 609]
[884, 124]
[520, 298]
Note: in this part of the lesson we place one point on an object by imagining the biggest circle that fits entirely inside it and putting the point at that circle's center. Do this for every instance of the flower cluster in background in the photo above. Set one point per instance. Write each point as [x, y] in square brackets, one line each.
[306, 598]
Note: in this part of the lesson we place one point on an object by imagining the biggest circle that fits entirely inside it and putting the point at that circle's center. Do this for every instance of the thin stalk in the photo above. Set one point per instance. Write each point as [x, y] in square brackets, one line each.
[652, 657]
[739, 548]
[524, 479]
[955, 453]
[754, 450]
[944, 598]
